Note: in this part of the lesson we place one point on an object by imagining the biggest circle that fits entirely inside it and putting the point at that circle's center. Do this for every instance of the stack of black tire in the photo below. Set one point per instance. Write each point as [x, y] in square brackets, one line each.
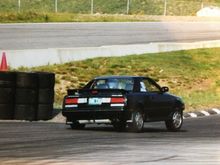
[7, 94]
[28, 96]
[46, 83]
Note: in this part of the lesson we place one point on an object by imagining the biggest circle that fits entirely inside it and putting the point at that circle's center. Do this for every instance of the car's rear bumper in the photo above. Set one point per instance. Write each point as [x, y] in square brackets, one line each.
[73, 115]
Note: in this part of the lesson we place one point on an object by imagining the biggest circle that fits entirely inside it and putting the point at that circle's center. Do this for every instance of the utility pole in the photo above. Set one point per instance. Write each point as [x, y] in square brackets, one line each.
[165, 8]
[128, 6]
[55, 6]
[92, 6]
[19, 5]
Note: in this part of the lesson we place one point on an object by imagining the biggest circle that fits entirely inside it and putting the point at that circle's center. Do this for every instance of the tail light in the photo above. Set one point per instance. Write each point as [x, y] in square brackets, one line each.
[71, 101]
[75, 100]
[118, 100]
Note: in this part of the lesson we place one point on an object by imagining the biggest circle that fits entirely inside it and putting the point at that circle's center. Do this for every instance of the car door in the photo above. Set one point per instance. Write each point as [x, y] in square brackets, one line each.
[158, 102]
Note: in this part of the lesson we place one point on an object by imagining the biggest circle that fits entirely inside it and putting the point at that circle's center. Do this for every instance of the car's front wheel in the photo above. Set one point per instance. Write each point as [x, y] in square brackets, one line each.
[137, 124]
[176, 121]
[77, 125]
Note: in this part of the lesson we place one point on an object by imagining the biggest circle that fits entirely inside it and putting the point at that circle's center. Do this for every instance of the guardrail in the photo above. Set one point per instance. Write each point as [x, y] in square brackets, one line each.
[15, 58]
[26, 95]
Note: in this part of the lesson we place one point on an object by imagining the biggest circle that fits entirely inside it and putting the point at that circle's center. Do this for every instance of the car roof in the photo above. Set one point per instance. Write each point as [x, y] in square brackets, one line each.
[109, 77]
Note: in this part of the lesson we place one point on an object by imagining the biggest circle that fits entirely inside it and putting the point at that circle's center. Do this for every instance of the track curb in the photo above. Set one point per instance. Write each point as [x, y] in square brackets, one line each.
[209, 112]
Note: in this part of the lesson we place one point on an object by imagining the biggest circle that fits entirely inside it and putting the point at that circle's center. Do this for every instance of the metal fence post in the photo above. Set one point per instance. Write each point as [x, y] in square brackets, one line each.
[19, 5]
[55, 6]
[92, 6]
[165, 8]
[202, 4]
[128, 6]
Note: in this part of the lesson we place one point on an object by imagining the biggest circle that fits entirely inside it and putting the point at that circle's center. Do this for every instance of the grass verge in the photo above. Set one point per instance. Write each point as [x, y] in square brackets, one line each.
[192, 74]
[35, 17]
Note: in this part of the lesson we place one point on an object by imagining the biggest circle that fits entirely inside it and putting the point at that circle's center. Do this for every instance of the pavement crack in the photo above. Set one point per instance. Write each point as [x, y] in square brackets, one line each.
[158, 160]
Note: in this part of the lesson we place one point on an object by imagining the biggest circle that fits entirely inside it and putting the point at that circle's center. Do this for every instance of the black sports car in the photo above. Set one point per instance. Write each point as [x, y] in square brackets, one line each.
[123, 101]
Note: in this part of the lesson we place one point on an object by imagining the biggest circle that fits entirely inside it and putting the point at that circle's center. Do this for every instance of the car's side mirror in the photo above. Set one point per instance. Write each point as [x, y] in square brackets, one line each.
[164, 89]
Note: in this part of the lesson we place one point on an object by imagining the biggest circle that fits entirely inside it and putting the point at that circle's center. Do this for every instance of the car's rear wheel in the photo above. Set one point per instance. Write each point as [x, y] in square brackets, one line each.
[175, 123]
[137, 124]
[77, 125]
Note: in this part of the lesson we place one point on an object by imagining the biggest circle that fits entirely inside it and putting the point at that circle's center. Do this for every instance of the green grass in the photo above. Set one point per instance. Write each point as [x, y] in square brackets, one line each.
[193, 74]
[69, 17]
[149, 7]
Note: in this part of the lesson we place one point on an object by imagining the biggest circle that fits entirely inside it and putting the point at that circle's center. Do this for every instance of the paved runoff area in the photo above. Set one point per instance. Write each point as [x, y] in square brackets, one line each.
[36, 143]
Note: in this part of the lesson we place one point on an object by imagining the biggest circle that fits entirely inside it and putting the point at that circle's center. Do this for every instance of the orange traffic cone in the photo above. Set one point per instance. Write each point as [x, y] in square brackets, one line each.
[4, 66]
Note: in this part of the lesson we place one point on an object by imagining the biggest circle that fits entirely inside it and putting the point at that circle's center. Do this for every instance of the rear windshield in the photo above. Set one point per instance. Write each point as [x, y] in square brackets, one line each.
[114, 83]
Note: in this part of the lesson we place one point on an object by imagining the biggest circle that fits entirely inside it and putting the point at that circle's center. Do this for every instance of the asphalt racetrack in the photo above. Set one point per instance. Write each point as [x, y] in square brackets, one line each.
[67, 35]
[36, 143]
[55, 143]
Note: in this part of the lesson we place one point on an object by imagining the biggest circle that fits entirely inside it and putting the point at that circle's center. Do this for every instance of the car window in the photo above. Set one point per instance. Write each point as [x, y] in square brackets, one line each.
[142, 87]
[100, 84]
[114, 83]
[151, 87]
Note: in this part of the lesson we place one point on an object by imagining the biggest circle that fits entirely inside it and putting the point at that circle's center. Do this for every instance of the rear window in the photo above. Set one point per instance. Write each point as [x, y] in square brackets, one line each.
[114, 83]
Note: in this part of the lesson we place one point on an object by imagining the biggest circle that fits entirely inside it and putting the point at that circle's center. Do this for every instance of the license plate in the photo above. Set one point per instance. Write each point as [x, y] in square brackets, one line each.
[95, 101]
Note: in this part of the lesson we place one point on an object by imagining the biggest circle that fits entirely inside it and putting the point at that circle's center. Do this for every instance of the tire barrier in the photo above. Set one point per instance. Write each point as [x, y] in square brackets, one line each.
[7, 94]
[44, 111]
[6, 111]
[26, 95]
[26, 80]
[25, 112]
[46, 82]
[7, 79]
[46, 96]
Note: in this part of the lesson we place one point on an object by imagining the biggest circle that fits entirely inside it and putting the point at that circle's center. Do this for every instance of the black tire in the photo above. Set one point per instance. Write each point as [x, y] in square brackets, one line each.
[77, 125]
[44, 111]
[26, 80]
[7, 79]
[119, 125]
[137, 124]
[7, 95]
[46, 80]
[25, 112]
[26, 96]
[6, 111]
[176, 121]
[45, 96]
